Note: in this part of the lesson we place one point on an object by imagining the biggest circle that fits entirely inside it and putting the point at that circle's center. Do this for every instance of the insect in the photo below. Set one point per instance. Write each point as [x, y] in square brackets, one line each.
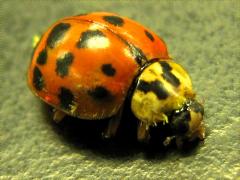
[87, 65]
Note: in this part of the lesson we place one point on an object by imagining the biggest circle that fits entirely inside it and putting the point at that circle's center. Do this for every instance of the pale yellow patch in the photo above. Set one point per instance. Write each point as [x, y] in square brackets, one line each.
[95, 26]
[147, 108]
[35, 40]
[98, 42]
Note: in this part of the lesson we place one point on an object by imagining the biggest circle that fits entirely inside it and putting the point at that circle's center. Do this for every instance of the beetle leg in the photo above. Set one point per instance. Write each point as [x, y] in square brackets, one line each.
[143, 132]
[113, 125]
[58, 115]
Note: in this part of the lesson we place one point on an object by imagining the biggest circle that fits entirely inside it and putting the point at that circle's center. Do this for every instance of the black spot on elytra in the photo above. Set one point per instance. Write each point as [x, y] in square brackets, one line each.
[66, 98]
[42, 57]
[38, 81]
[63, 63]
[57, 34]
[85, 36]
[100, 93]
[108, 70]
[149, 35]
[168, 75]
[138, 55]
[155, 86]
[180, 122]
[114, 20]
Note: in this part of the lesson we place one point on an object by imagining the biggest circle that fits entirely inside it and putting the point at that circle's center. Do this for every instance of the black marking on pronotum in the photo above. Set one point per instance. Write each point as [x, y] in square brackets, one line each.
[114, 20]
[57, 34]
[154, 86]
[171, 78]
[168, 75]
[108, 70]
[180, 121]
[136, 78]
[63, 63]
[100, 93]
[85, 36]
[38, 81]
[42, 57]
[149, 35]
[66, 98]
[165, 66]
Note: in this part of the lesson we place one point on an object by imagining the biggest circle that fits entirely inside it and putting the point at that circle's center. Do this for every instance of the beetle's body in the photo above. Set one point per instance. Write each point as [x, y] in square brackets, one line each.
[85, 65]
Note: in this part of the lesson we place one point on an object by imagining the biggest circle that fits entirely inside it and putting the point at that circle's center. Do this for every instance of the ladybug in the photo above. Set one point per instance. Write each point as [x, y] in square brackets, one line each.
[87, 65]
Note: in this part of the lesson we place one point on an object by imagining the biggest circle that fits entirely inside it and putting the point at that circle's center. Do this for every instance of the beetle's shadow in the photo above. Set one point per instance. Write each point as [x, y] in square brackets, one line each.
[87, 134]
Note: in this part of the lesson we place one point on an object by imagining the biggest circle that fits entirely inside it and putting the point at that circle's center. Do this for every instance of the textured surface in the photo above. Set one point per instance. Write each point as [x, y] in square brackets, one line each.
[202, 36]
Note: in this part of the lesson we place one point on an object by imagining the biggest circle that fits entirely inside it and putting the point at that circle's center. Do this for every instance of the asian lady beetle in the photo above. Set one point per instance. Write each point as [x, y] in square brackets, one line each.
[85, 66]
